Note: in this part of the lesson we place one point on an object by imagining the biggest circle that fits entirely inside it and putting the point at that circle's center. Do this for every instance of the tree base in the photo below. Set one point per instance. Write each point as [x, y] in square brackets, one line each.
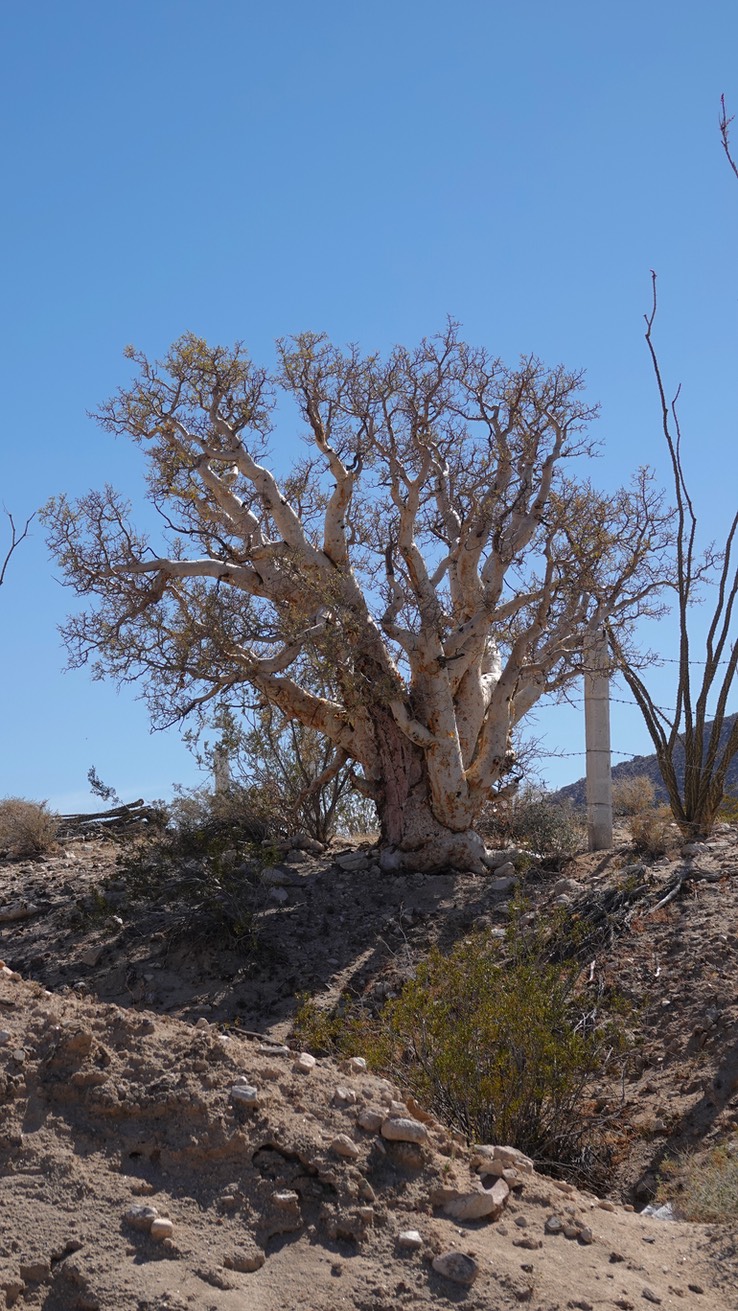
[445, 850]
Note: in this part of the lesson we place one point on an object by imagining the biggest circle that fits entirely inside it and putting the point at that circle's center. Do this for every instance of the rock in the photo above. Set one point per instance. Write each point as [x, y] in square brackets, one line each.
[344, 1096]
[244, 1094]
[650, 1296]
[502, 883]
[141, 1217]
[409, 1240]
[285, 1199]
[401, 1129]
[495, 1158]
[344, 1146]
[478, 1204]
[475, 1205]
[91, 955]
[553, 1225]
[351, 861]
[245, 1260]
[457, 1267]
[161, 1228]
[370, 1121]
[304, 1063]
[567, 886]
[280, 895]
[18, 1054]
[5, 1037]
[357, 1065]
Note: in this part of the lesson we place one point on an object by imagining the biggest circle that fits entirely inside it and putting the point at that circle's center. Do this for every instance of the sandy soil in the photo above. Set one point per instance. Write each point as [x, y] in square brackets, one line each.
[123, 1043]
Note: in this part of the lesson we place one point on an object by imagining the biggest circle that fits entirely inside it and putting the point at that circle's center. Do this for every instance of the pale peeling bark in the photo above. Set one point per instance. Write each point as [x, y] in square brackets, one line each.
[428, 557]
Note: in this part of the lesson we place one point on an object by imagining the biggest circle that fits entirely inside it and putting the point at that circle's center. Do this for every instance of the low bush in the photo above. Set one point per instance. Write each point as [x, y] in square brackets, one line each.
[204, 868]
[704, 1190]
[536, 820]
[631, 796]
[652, 830]
[27, 828]
[494, 1041]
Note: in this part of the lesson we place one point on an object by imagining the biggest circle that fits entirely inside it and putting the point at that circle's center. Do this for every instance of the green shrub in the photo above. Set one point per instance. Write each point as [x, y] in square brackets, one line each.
[27, 828]
[492, 1040]
[498, 1048]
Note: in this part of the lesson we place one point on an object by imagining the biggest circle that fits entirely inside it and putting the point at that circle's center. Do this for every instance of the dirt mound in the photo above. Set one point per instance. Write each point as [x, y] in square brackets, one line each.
[152, 1155]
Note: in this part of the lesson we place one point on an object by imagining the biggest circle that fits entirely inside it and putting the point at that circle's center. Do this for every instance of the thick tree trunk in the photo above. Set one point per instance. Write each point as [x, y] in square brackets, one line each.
[412, 836]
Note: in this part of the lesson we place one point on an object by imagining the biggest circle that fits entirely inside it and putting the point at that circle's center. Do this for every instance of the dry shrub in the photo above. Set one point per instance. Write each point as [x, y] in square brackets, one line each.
[632, 795]
[27, 828]
[704, 1190]
[651, 830]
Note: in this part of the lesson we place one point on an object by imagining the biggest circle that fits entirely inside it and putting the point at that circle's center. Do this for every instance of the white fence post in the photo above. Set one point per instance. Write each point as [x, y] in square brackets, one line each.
[597, 734]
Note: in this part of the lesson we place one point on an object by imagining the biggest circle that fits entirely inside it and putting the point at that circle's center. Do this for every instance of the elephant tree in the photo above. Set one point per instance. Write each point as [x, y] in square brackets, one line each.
[426, 554]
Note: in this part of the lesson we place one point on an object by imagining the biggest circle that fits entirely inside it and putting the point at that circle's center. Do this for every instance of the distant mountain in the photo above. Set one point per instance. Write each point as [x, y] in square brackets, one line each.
[648, 765]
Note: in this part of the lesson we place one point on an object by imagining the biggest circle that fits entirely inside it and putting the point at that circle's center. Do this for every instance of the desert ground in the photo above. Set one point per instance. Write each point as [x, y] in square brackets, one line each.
[166, 1142]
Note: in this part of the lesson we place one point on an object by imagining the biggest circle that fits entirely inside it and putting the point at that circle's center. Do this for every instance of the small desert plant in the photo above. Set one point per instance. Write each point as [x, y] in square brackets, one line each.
[705, 1190]
[498, 1048]
[204, 868]
[27, 828]
[492, 1039]
[534, 819]
[651, 830]
[631, 796]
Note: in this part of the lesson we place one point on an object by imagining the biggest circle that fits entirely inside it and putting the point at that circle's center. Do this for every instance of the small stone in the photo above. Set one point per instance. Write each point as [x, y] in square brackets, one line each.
[273, 1049]
[245, 1261]
[352, 860]
[5, 1037]
[399, 1129]
[495, 1158]
[18, 1055]
[502, 882]
[409, 1240]
[357, 1065]
[605, 1205]
[305, 1063]
[457, 1267]
[344, 1146]
[280, 895]
[370, 1121]
[202, 1023]
[585, 1235]
[244, 1094]
[650, 1296]
[91, 955]
[553, 1225]
[161, 1228]
[141, 1217]
[344, 1096]
[695, 1288]
[478, 1204]
[285, 1199]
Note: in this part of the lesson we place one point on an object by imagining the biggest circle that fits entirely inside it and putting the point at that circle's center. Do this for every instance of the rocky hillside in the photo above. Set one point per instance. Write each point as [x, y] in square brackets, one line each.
[648, 766]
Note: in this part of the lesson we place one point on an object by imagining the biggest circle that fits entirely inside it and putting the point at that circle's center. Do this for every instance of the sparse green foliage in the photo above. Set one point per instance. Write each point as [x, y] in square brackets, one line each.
[204, 871]
[490, 1037]
[498, 1048]
[27, 828]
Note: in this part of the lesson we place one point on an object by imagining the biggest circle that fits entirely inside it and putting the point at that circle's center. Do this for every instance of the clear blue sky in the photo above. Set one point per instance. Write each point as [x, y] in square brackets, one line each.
[249, 170]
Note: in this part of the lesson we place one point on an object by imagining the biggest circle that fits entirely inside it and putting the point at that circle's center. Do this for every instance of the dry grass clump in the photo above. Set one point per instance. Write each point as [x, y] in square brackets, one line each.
[631, 796]
[651, 830]
[27, 828]
[704, 1190]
